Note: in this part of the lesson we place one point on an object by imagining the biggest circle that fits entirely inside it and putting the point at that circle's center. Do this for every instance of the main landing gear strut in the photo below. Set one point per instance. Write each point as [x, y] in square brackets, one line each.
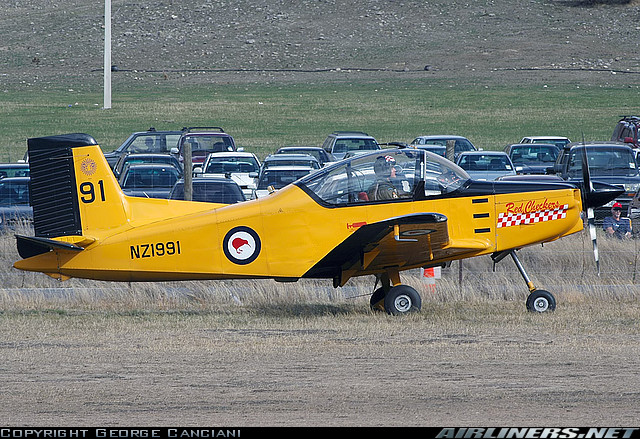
[538, 300]
[393, 297]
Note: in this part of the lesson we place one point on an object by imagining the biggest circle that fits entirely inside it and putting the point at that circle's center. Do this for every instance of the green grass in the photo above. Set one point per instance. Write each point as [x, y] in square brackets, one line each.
[264, 117]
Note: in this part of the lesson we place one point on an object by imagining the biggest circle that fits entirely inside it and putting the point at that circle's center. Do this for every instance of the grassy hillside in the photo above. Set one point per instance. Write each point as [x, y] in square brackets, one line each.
[264, 117]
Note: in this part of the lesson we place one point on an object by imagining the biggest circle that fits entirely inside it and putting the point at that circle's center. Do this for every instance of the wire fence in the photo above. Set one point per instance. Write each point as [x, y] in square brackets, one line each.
[565, 267]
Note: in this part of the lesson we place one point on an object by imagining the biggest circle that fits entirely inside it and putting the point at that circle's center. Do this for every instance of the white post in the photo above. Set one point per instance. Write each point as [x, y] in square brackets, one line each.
[107, 54]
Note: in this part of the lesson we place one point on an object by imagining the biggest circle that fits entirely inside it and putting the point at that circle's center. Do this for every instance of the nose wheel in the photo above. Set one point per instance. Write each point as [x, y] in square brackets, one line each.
[538, 300]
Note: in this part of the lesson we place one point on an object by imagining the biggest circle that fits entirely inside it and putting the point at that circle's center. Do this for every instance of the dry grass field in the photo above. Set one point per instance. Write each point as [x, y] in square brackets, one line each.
[259, 353]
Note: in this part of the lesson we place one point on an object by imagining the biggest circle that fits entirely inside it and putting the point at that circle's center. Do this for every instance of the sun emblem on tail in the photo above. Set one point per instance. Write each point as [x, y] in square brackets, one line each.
[88, 166]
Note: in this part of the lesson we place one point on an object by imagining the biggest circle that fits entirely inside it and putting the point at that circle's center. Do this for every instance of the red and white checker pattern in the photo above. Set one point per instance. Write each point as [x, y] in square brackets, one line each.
[515, 219]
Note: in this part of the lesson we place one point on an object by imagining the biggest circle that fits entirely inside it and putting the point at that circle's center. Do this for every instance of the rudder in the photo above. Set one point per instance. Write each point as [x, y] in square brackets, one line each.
[73, 189]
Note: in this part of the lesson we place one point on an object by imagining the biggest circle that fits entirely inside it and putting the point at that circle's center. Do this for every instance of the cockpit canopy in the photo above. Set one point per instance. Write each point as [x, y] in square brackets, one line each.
[407, 173]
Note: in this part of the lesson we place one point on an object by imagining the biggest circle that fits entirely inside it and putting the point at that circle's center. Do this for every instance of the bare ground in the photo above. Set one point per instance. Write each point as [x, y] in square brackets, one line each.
[52, 45]
[358, 369]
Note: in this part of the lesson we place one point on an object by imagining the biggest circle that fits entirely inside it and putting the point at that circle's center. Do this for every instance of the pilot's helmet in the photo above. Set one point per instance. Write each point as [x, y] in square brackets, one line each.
[383, 165]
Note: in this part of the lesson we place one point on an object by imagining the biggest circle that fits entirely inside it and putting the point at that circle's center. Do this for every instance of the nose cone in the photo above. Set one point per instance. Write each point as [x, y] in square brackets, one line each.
[602, 193]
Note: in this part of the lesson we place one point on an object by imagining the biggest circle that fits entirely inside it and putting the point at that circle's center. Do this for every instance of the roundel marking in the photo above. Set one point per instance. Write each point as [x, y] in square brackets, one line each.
[241, 245]
[88, 166]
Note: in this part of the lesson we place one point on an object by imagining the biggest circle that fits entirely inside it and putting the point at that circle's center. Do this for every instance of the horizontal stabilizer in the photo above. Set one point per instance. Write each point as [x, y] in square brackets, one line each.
[29, 246]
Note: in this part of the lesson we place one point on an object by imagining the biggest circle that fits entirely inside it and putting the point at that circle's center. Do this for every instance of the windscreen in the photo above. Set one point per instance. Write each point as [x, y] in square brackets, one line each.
[386, 175]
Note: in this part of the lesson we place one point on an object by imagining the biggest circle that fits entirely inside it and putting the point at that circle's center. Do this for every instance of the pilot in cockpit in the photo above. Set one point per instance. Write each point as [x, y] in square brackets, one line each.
[383, 188]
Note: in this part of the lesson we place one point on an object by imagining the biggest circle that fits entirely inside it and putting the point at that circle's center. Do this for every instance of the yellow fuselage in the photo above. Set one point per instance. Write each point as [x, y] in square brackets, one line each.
[180, 240]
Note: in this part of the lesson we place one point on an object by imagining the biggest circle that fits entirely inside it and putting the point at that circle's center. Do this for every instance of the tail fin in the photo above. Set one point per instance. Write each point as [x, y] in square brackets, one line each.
[72, 186]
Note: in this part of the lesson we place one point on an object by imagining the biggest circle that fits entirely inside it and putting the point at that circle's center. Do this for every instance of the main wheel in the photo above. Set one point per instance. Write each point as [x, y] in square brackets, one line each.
[541, 301]
[377, 300]
[402, 299]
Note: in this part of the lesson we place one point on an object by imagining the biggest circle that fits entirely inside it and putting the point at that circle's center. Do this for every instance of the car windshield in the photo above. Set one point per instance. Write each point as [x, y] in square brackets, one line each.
[167, 159]
[484, 162]
[161, 143]
[344, 145]
[279, 177]
[164, 177]
[222, 165]
[531, 154]
[294, 161]
[460, 145]
[209, 143]
[604, 161]
[436, 149]
[210, 192]
[356, 180]
[558, 142]
[13, 193]
[14, 171]
[312, 152]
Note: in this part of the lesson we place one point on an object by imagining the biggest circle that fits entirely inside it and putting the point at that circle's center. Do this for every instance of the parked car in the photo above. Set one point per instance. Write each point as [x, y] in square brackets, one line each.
[339, 143]
[436, 149]
[559, 141]
[131, 158]
[462, 143]
[204, 141]
[531, 178]
[532, 158]
[14, 170]
[15, 205]
[320, 154]
[151, 180]
[240, 166]
[609, 162]
[144, 142]
[210, 190]
[274, 160]
[275, 178]
[633, 212]
[486, 165]
[626, 131]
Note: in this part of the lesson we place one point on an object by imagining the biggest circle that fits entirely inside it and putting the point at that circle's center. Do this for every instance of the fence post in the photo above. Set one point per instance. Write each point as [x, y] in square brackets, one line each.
[450, 151]
[188, 171]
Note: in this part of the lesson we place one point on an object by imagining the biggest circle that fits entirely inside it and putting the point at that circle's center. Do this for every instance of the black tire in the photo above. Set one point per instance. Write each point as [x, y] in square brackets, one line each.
[402, 299]
[377, 300]
[541, 301]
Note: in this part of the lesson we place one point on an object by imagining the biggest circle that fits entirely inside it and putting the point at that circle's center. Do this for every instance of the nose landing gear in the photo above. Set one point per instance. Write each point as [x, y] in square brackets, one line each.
[538, 300]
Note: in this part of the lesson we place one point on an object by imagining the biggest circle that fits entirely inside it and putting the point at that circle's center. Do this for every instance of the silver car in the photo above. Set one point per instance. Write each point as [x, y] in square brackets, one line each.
[486, 165]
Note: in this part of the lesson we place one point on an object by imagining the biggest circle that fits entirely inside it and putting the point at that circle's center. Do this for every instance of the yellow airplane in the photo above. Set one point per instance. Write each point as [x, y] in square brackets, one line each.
[375, 214]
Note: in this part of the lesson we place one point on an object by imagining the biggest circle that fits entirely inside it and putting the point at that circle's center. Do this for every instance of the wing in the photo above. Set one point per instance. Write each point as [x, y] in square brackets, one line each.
[404, 242]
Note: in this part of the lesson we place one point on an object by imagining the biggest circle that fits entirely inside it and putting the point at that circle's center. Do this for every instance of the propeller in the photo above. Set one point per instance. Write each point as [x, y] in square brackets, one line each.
[587, 190]
[594, 194]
